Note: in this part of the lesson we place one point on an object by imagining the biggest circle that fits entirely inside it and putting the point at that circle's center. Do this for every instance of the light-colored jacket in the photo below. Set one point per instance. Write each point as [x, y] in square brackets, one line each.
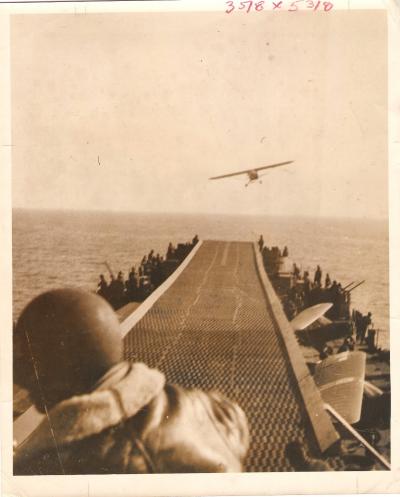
[134, 423]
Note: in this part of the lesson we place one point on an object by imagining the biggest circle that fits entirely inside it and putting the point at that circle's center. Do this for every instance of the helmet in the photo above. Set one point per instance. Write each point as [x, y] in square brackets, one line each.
[64, 341]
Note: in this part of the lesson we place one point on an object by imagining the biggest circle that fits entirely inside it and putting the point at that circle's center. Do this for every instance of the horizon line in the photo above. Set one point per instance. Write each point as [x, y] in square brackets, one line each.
[197, 213]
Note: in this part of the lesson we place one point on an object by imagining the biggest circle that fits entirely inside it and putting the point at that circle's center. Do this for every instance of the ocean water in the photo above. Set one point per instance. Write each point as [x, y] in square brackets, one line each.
[52, 249]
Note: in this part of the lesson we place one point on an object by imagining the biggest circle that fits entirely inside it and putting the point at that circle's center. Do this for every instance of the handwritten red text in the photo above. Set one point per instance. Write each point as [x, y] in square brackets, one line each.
[248, 6]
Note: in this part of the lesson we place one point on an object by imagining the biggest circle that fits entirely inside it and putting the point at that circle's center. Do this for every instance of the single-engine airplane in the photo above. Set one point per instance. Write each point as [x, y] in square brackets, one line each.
[252, 173]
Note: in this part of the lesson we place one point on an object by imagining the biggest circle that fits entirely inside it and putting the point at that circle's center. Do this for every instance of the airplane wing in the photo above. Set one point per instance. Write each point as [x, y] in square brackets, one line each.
[309, 315]
[231, 174]
[273, 165]
[246, 171]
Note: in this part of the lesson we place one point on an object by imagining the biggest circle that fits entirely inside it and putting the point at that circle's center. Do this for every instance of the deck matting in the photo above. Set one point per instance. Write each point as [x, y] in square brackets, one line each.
[212, 329]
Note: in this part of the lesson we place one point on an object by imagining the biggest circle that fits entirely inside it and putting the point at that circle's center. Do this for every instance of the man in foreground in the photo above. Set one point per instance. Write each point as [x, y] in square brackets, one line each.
[104, 415]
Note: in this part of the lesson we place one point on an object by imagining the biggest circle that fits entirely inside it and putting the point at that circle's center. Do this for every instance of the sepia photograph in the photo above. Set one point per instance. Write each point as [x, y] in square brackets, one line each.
[200, 241]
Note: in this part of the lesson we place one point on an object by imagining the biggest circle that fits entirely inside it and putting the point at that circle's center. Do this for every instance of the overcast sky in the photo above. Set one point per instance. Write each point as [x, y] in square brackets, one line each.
[164, 101]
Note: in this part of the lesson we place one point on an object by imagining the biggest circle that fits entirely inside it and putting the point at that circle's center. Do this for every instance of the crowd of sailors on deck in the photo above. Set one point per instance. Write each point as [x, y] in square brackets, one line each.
[362, 325]
[153, 270]
[306, 291]
[313, 292]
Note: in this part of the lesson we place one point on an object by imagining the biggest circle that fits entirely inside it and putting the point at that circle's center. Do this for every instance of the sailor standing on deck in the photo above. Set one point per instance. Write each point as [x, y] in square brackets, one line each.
[296, 270]
[318, 276]
[327, 280]
[102, 287]
[261, 243]
[119, 291]
[365, 323]
[109, 416]
[306, 287]
[131, 285]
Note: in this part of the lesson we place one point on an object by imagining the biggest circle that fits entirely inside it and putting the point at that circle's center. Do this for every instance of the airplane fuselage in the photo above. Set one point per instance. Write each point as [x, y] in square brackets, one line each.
[253, 175]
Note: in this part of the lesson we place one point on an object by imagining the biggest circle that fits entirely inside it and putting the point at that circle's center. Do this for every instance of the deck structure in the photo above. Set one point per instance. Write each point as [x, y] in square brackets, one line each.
[219, 325]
